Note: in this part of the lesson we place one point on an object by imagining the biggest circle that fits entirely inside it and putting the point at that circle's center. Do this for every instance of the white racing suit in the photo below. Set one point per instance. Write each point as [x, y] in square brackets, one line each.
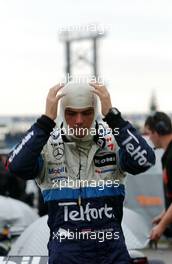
[83, 184]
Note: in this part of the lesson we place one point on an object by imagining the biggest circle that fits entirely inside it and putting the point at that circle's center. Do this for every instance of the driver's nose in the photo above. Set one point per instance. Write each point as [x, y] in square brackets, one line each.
[79, 119]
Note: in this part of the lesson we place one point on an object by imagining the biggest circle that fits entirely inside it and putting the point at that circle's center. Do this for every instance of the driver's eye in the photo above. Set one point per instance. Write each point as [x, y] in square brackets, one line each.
[88, 113]
[70, 113]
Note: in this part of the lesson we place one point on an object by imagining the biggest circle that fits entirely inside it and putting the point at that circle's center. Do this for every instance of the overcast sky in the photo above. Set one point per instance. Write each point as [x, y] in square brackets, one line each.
[135, 56]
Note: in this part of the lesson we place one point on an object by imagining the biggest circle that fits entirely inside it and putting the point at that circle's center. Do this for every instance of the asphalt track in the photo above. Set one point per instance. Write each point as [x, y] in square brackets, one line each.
[163, 253]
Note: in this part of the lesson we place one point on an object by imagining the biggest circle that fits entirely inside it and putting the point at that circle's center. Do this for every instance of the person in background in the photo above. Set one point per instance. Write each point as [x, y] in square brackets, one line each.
[159, 128]
[12, 186]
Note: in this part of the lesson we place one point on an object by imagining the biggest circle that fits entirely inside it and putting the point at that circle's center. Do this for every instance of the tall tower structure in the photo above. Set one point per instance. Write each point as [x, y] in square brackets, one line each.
[153, 103]
[81, 50]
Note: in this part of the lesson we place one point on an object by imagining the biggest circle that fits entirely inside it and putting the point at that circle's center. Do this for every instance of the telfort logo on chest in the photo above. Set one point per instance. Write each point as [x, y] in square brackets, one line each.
[87, 213]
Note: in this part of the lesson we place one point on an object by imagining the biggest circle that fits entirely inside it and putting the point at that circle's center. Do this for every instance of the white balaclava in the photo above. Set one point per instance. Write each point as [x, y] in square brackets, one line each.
[79, 95]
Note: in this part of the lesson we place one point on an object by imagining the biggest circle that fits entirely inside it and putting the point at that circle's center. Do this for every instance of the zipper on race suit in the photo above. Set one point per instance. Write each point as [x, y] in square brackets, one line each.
[79, 201]
[79, 198]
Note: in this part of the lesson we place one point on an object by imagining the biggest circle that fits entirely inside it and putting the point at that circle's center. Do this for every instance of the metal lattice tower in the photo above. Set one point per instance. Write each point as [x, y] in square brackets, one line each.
[76, 43]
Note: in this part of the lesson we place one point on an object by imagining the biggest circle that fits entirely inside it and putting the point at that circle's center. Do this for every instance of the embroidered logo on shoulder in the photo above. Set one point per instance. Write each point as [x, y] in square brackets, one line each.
[57, 144]
[55, 135]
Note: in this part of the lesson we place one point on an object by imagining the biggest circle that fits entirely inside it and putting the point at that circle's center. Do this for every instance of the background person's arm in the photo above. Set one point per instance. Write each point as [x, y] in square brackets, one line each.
[166, 220]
